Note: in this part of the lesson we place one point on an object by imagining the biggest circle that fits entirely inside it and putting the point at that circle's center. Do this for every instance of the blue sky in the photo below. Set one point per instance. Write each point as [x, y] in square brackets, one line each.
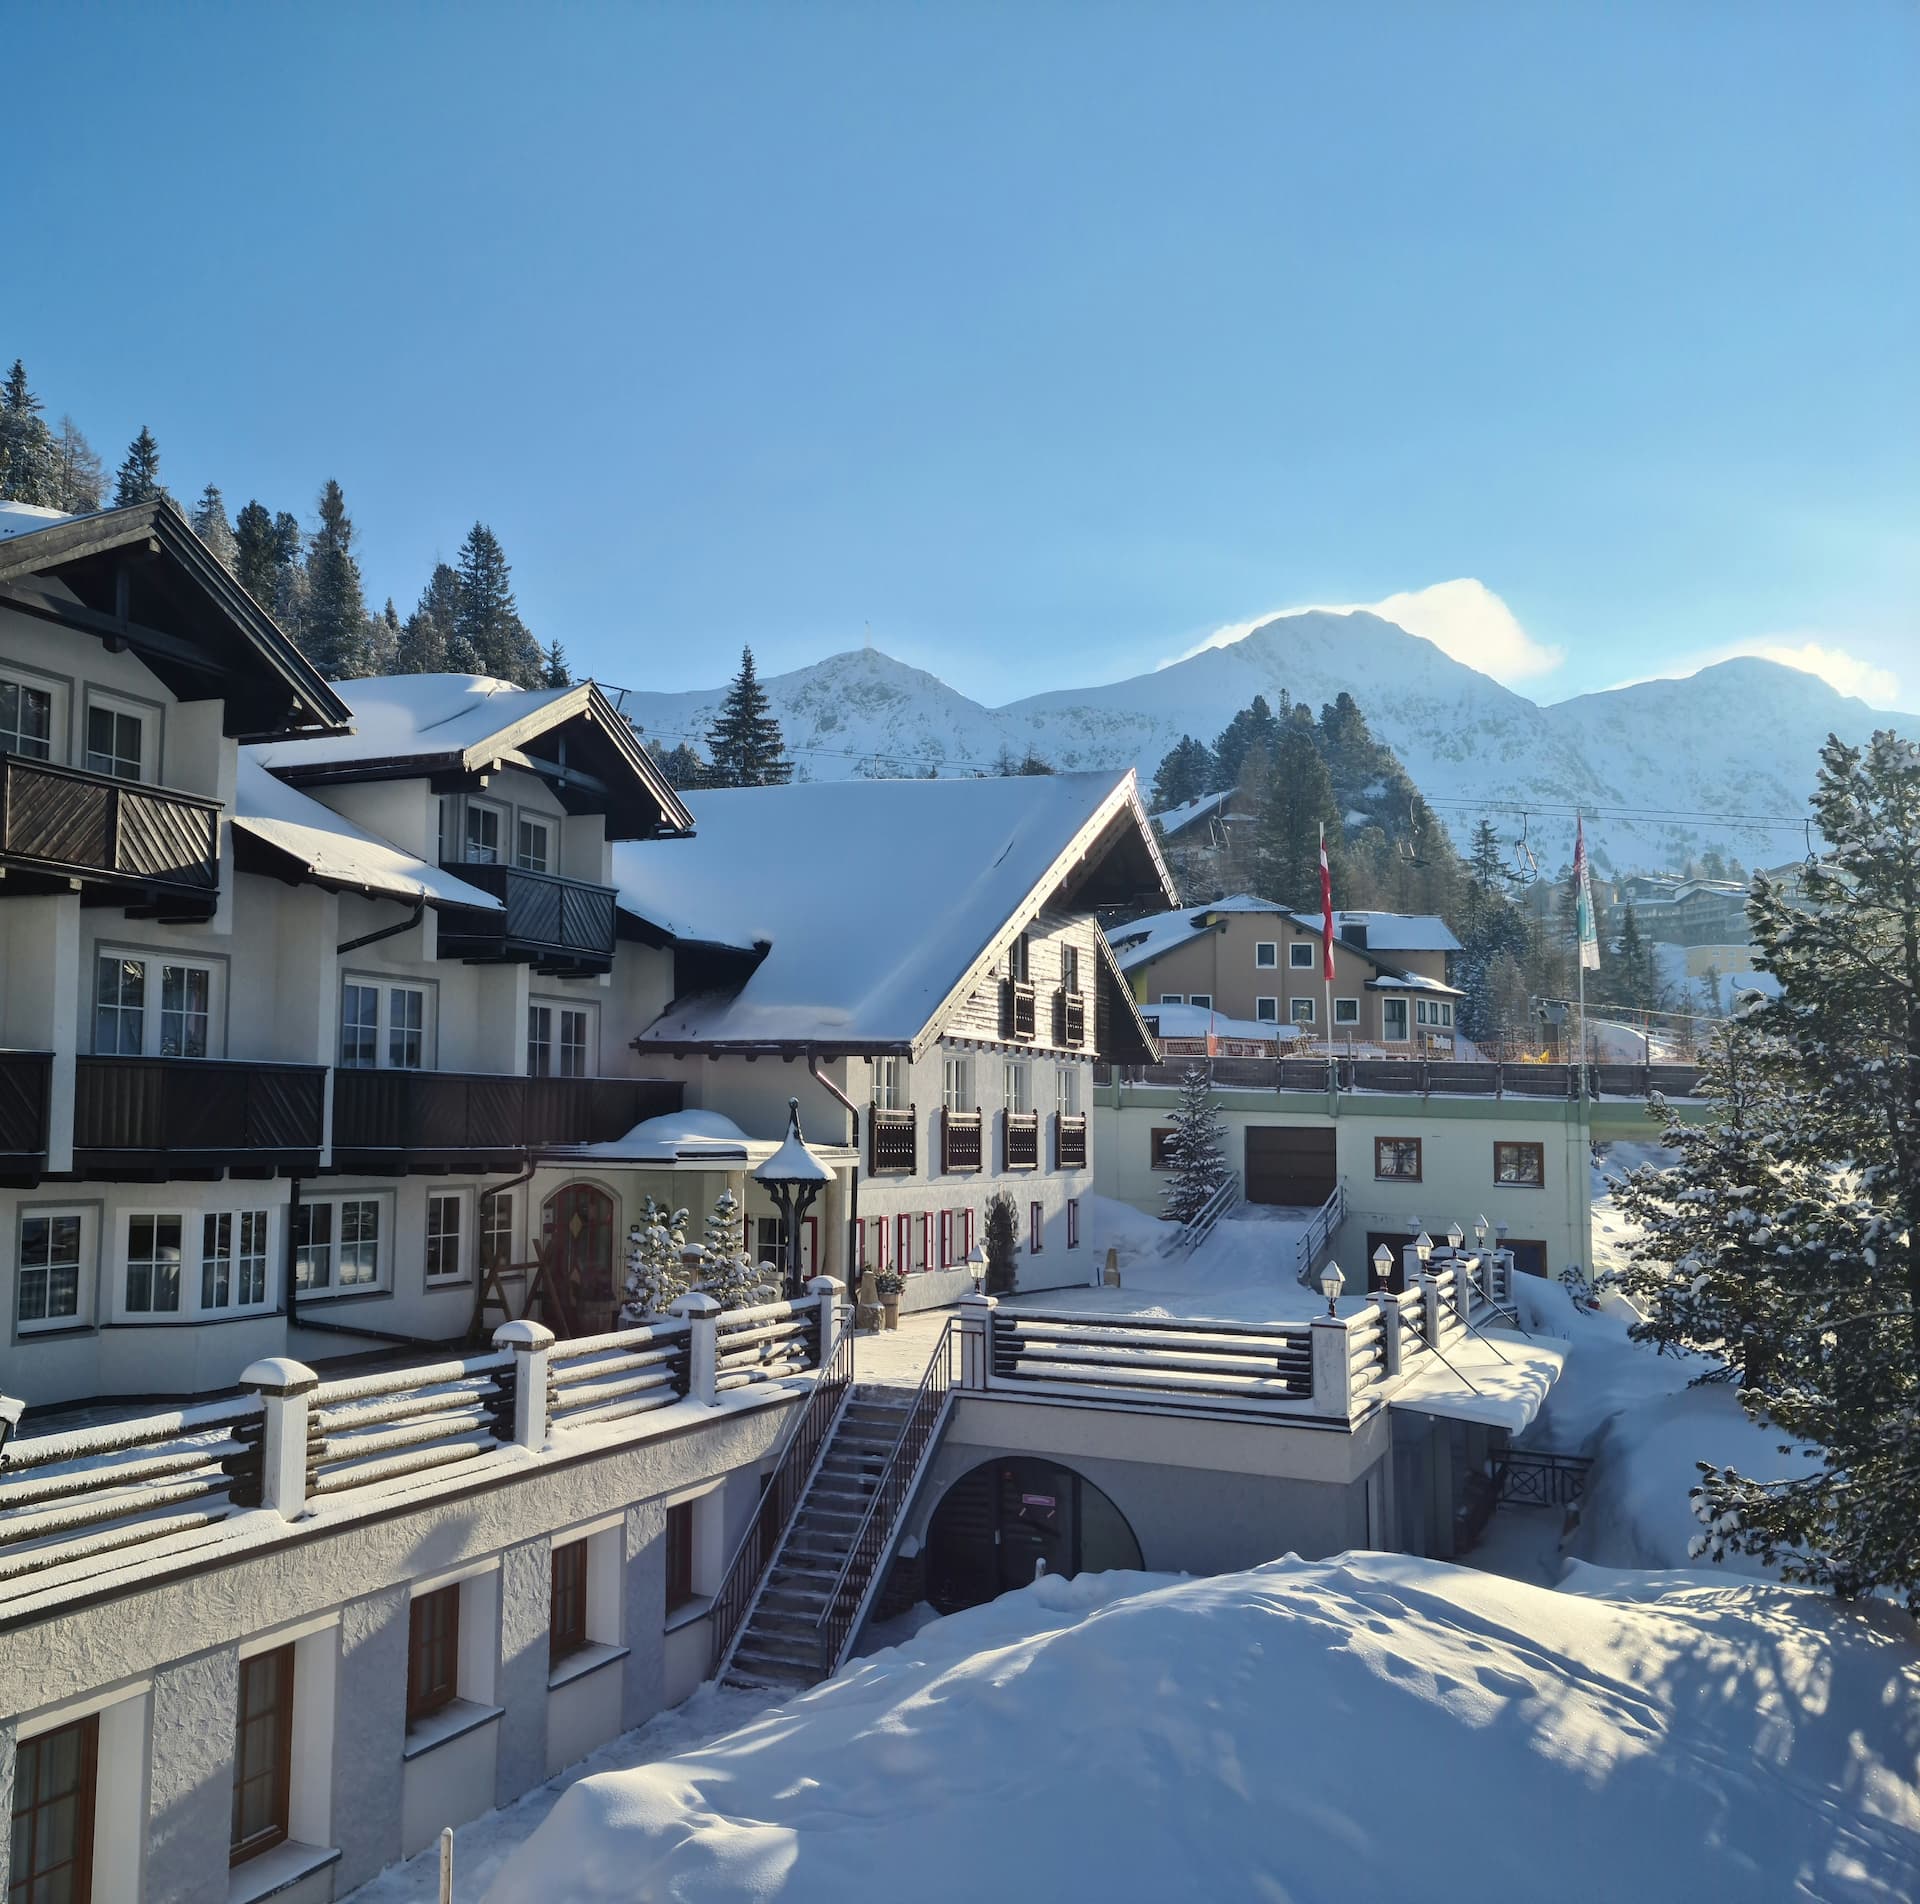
[1043, 340]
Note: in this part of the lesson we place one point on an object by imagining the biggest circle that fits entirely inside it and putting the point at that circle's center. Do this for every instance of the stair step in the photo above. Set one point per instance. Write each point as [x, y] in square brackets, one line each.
[779, 1665]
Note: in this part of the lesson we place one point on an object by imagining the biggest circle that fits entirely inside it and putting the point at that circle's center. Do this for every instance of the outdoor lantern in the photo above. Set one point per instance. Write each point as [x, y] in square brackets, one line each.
[1480, 1231]
[793, 1176]
[1413, 1226]
[1423, 1247]
[1500, 1231]
[1331, 1284]
[1455, 1237]
[977, 1263]
[1383, 1267]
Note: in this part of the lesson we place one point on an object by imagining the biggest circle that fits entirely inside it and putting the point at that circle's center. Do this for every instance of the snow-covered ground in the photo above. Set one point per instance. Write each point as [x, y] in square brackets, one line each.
[1368, 1727]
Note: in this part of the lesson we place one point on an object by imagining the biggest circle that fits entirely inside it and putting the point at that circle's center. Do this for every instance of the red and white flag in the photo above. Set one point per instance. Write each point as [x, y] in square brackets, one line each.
[1326, 910]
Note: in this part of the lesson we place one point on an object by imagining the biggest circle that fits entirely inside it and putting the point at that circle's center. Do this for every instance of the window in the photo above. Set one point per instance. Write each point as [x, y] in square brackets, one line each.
[262, 1753]
[956, 1084]
[1266, 1011]
[233, 1259]
[1300, 1010]
[539, 1041]
[496, 1228]
[1300, 955]
[119, 1007]
[1397, 1159]
[26, 720]
[1437, 1011]
[336, 1244]
[1019, 959]
[1346, 1011]
[1523, 1164]
[359, 1027]
[153, 1264]
[567, 1627]
[53, 1780]
[433, 1651]
[1393, 1020]
[406, 1027]
[903, 1244]
[1159, 1138]
[1016, 1085]
[1266, 954]
[1066, 1090]
[359, 1251]
[557, 1040]
[1172, 998]
[115, 742]
[679, 1555]
[483, 834]
[573, 1044]
[124, 1027]
[48, 1277]
[382, 1025]
[1036, 1228]
[1069, 968]
[889, 1090]
[531, 851]
[186, 1010]
[1073, 1223]
[1204, 1000]
[443, 1235]
[443, 818]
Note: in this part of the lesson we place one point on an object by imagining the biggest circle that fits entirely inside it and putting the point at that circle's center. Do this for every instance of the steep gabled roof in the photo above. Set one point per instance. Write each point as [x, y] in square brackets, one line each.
[422, 725]
[140, 578]
[876, 907]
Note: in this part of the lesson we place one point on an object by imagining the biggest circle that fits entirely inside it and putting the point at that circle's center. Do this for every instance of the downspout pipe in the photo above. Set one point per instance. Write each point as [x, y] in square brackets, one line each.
[387, 932]
[853, 1199]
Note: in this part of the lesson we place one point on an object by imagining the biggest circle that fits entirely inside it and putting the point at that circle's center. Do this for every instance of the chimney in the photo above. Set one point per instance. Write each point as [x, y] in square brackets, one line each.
[1352, 932]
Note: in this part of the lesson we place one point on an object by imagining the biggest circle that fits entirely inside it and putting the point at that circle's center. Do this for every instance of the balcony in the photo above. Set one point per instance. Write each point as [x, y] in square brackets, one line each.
[1069, 1142]
[561, 927]
[393, 1121]
[893, 1142]
[164, 1115]
[1017, 1015]
[1070, 1019]
[961, 1147]
[25, 1081]
[146, 845]
[1020, 1140]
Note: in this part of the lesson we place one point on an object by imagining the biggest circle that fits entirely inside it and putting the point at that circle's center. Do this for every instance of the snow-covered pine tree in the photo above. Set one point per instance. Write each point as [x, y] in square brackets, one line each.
[383, 640]
[28, 468]
[138, 478]
[744, 744]
[682, 765]
[426, 638]
[1820, 1276]
[731, 1276]
[256, 552]
[656, 1275]
[210, 524]
[334, 623]
[1196, 1151]
[79, 481]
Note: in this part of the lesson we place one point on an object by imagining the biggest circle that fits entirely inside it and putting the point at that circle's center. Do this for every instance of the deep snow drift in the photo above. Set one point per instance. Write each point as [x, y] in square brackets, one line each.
[1370, 1727]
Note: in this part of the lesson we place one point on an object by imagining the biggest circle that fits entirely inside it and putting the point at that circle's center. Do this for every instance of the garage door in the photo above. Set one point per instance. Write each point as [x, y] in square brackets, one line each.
[1286, 1165]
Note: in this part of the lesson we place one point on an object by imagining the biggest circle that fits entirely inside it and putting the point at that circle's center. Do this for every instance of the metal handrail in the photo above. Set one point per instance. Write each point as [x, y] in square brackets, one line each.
[847, 1599]
[1199, 1226]
[781, 1498]
[1319, 1232]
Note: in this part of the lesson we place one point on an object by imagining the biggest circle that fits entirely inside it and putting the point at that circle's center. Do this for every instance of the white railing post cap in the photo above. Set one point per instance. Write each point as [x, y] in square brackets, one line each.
[972, 1300]
[523, 1335]
[825, 1286]
[279, 1375]
[696, 1302]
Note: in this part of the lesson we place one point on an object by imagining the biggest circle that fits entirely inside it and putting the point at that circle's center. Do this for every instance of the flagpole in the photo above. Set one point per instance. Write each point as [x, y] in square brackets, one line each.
[1326, 933]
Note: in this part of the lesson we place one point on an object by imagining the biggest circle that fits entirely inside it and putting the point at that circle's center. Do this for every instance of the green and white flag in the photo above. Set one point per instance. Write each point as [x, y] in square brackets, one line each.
[1583, 902]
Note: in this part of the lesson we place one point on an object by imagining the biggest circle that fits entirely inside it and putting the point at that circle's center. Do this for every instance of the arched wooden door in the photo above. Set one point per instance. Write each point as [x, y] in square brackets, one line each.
[577, 1233]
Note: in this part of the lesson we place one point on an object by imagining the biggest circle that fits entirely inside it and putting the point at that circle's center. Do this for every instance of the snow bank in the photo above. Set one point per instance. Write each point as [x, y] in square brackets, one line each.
[1369, 1727]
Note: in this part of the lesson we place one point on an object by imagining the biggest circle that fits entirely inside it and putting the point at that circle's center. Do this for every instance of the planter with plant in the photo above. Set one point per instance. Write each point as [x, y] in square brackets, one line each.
[888, 1284]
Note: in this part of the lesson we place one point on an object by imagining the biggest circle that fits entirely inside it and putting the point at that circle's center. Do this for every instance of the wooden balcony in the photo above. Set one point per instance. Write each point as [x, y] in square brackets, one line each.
[136, 844]
[893, 1142]
[395, 1121]
[1069, 1141]
[1020, 1140]
[1070, 1019]
[562, 927]
[175, 1116]
[26, 1079]
[961, 1147]
[1017, 1010]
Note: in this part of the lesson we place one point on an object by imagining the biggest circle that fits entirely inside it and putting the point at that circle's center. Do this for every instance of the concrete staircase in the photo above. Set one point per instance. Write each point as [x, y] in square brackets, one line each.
[778, 1648]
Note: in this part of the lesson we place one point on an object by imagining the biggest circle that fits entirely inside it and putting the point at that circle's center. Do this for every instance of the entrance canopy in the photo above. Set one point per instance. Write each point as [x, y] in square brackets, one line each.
[1499, 1378]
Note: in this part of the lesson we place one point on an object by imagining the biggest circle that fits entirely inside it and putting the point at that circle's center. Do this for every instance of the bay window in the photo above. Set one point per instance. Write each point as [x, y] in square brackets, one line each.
[233, 1259]
[153, 1264]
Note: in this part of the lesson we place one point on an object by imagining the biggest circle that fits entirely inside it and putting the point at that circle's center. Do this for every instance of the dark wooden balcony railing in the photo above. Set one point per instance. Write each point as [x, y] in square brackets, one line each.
[893, 1147]
[556, 925]
[1069, 1019]
[1069, 1142]
[68, 822]
[393, 1120]
[25, 1083]
[960, 1141]
[1017, 1016]
[139, 1113]
[1020, 1139]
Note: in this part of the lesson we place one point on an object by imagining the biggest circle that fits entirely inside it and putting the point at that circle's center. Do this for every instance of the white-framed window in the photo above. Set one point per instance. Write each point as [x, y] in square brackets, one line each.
[336, 1244]
[26, 718]
[118, 739]
[1300, 955]
[1066, 1090]
[482, 834]
[1300, 1010]
[153, 1006]
[1266, 1011]
[1437, 1012]
[956, 1083]
[1020, 958]
[889, 1084]
[1266, 954]
[1203, 1000]
[1016, 1086]
[153, 1263]
[559, 1041]
[47, 1284]
[233, 1259]
[1171, 998]
[445, 1261]
[384, 1026]
[497, 1230]
[533, 846]
[1393, 1020]
[1070, 968]
[1346, 1011]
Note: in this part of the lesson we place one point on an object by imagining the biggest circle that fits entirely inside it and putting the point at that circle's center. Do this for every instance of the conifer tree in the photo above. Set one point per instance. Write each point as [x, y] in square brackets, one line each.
[1253, 729]
[210, 524]
[256, 552]
[334, 623]
[682, 766]
[656, 1272]
[744, 744]
[554, 672]
[487, 618]
[1197, 1149]
[383, 641]
[999, 1237]
[28, 469]
[78, 478]
[426, 640]
[1186, 772]
[729, 1274]
[1297, 803]
[138, 478]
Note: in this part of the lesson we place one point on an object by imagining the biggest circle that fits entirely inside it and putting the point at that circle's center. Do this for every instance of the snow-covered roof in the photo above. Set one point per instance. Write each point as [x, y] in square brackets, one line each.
[336, 851]
[1140, 941]
[685, 1137]
[1391, 981]
[1178, 819]
[878, 901]
[1498, 1377]
[1393, 931]
[1195, 1021]
[18, 518]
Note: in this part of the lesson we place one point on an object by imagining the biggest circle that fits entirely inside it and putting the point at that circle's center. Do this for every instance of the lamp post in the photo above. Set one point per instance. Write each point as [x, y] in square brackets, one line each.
[1383, 1268]
[1480, 1231]
[1331, 1284]
[793, 1176]
[977, 1266]
[1423, 1248]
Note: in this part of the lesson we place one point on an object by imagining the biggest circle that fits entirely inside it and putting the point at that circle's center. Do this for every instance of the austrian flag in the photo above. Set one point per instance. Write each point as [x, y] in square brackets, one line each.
[1326, 911]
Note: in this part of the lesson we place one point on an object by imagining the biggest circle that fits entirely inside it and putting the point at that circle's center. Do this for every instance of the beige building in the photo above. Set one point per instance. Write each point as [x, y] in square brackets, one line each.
[1248, 958]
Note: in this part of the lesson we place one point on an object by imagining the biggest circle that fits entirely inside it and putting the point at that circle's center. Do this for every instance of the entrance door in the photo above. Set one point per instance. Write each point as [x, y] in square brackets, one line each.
[1291, 1165]
[576, 1230]
[996, 1525]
